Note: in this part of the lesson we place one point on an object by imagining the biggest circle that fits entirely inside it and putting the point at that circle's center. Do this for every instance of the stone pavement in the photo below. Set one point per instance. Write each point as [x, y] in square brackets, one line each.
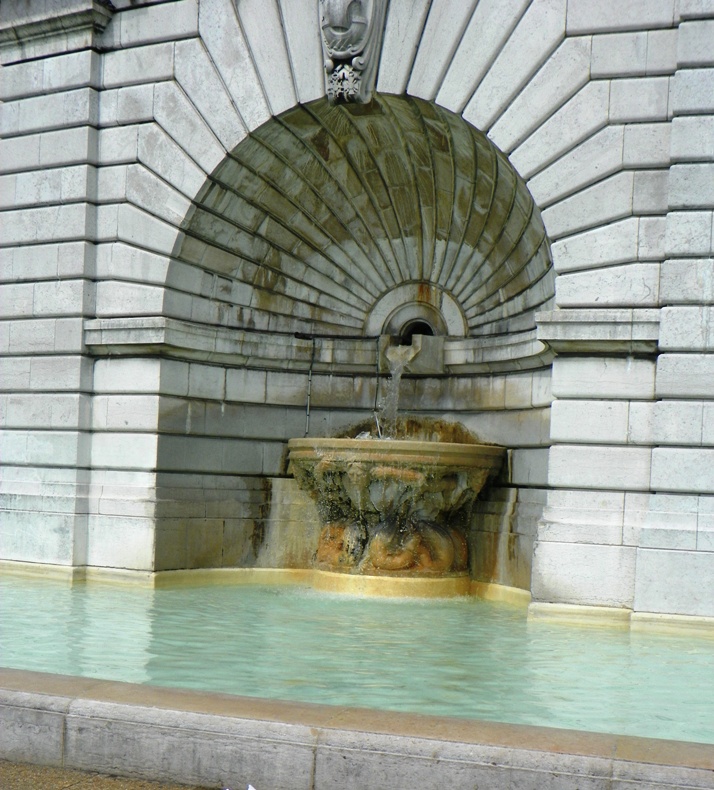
[20, 776]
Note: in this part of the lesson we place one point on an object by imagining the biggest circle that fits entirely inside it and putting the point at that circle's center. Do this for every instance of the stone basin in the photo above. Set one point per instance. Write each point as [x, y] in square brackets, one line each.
[393, 506]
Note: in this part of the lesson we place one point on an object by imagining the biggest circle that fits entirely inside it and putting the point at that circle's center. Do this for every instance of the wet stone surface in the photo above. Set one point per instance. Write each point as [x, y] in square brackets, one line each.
[396, 506]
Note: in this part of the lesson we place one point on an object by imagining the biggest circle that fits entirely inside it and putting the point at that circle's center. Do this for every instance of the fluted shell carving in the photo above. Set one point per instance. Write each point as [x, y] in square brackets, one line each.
[328, 211]
[351, 41]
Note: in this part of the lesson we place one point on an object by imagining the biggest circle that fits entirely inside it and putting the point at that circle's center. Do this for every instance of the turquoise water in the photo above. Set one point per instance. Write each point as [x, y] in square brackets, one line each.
[458, 657]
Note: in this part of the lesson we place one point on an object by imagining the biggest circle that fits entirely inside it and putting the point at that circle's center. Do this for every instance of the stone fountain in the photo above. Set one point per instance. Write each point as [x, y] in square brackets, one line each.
[394, 507]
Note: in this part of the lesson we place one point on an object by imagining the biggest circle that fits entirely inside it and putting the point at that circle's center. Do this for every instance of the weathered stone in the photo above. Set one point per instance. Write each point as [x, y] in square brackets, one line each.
[165, 239]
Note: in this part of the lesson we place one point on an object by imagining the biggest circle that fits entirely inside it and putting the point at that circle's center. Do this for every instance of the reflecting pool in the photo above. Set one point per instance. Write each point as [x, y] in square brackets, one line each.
[456, 657]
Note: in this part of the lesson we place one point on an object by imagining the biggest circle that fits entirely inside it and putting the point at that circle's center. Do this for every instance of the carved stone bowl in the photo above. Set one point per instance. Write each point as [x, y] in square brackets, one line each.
[393, 506]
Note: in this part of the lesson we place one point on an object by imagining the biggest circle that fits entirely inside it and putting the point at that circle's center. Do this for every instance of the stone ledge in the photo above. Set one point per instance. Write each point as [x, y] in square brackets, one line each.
[696, 9]
[575, 614]
[619, 331]
[158, 335]
[502, 353]
[222, 740]
[611, 617]
[154, 335]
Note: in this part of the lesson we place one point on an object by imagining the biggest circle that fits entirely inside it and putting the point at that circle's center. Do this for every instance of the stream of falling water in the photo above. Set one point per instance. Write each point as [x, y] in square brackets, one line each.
[398, 358]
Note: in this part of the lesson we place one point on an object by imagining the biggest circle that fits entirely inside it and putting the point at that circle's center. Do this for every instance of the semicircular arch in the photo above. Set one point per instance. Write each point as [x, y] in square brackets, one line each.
[326, 214]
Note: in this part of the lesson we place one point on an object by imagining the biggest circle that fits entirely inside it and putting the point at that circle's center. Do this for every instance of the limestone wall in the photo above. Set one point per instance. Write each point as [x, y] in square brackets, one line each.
[128, 417]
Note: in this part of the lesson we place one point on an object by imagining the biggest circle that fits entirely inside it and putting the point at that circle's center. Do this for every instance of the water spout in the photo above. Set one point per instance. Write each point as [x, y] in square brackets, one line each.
[398, 357]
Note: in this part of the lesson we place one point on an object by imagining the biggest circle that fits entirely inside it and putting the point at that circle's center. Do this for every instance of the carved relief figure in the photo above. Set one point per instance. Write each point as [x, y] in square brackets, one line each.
[351, 39]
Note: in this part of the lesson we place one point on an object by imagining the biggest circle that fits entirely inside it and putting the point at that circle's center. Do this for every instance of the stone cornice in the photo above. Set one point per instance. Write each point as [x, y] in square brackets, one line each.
[613, 331]
[161, 336]
[35, 29]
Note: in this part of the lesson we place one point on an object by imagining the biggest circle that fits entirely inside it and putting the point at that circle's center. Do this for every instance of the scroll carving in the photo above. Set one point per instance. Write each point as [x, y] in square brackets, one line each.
[352, 33]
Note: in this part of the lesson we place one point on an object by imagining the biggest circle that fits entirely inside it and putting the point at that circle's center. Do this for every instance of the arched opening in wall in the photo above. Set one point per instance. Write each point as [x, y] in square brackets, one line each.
[329, 235]
[413, 328]
[328, 220]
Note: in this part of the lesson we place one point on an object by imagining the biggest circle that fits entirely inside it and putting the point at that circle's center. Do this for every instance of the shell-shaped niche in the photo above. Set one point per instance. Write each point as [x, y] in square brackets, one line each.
[329, 219]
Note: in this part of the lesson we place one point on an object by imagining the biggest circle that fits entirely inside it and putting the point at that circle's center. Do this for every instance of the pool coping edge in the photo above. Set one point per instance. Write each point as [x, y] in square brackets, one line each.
[209, 738]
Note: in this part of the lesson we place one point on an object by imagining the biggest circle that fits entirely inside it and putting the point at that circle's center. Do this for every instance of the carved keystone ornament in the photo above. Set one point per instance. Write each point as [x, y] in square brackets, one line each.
[351, 41]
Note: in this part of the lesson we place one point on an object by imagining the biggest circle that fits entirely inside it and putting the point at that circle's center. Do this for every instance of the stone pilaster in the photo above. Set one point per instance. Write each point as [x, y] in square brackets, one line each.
[673, 527]
[49, 152]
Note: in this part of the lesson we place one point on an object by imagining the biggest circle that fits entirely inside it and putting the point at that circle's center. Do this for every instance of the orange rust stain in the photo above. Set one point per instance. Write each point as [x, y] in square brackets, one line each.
[426, 293]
